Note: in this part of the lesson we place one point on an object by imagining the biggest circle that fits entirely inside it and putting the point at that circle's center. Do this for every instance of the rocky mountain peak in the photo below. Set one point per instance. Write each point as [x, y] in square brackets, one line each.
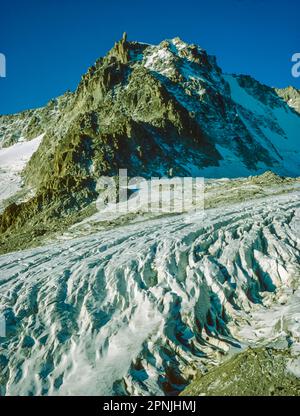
[152, 109]
[120, 51]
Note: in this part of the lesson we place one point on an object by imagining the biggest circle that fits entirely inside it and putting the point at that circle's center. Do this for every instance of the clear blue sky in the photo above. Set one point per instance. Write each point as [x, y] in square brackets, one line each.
[49, 44]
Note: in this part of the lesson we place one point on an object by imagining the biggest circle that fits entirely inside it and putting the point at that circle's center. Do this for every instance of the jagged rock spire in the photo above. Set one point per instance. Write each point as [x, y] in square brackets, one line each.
[120, 50]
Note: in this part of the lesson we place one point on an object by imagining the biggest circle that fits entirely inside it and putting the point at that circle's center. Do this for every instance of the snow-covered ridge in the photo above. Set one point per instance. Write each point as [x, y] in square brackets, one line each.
[228, 112]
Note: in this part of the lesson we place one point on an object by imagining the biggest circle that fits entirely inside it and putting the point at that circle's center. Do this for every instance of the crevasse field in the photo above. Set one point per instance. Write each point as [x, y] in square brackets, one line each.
[136, 309]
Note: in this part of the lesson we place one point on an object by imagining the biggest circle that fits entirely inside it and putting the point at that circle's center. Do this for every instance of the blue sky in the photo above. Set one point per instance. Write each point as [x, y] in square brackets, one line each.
[49, 44]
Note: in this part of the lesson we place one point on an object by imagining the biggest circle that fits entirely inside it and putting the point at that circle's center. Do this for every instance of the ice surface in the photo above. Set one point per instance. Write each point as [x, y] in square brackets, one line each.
[132, 309]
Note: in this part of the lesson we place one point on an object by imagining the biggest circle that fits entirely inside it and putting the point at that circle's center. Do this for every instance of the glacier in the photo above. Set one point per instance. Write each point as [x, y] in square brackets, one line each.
[136, 309]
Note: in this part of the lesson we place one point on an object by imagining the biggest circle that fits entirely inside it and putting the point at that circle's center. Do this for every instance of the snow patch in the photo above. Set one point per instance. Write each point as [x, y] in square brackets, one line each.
[13, 160]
